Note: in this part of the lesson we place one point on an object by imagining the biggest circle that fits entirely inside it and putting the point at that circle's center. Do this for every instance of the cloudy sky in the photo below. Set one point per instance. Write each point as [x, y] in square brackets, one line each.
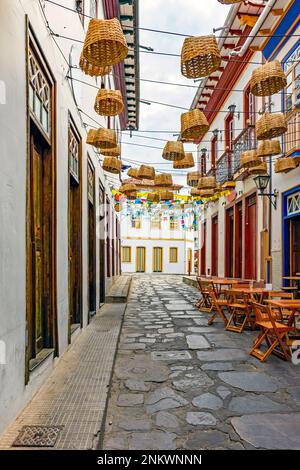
[195, 17]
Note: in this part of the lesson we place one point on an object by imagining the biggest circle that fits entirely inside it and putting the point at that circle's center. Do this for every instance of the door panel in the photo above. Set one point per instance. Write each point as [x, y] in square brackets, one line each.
[229, 243]
[157, 260]
[203, 249]
[295, 246]
[214, 247]
[250, 238]
[140, 259]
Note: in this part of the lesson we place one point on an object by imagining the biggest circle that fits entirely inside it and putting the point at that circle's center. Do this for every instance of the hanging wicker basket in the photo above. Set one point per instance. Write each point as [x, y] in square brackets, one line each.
[152, 197]
[117, 207]
[228, 185]
[271, 125]
[200, 56]
[195, 192]
[131, 196]
[173, 151]
[146, 172]
[267, 148]
[285, 164]
[133, 173]
[163, 179]
[112, 165]
[105, 43]
[109, 102]
[268, 79]
[91, 137]
[193, 178]
[166, 195]
[104, 139]
[193, 125]
[206, 193]
[207, 182]
[113, 152]
[250, 159]
[186, 162]
[93, 70]
[261, 169]
[229, 2]
[127, 188]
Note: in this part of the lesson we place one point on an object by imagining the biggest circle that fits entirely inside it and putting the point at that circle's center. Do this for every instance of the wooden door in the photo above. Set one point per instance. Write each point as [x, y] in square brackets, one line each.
[295, 248]
[214, 246]
[102, 244]
[238, 258]
[203, 250]
[157, 260]
[250, 238]
[75, 241]
[140, 259]
[229, 241]
[91, 240]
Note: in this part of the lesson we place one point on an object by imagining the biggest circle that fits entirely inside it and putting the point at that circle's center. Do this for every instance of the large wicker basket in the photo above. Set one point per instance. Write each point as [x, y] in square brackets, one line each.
[193, 178]
[285, 164]
[250, 159]
[195, 192]
[193, 125]
[113, 152]
[93, 70]
[133, 173]
[152, 197]
[163, 179]
[146, 172]
[207, 182]
[104, 139]
[261, 169]
[187, 162]
[228, 186]
[271, 125]
[173, 151]
[267, 79]
[166, 195]
[109, 102]
[206, 193]
[200, 56]
[127, 188]
[91, 136]
[112, 165]
[105, 43]
[267, 148]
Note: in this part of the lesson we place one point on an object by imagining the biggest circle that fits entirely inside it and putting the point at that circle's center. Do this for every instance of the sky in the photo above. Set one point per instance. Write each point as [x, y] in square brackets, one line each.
[194, 17]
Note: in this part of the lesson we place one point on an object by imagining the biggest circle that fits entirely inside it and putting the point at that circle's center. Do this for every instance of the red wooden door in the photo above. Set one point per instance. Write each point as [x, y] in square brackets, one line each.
[214, 246]
[203, 249]
[229, 240]
[239, 240]
[250, 238]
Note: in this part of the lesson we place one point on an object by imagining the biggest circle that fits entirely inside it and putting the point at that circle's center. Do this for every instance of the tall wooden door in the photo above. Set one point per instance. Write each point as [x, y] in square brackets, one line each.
[91, 240]
[295, 245]
[140, 259]
[203, 250]
[102, 243]
[239, 240]
[157, 259]
[214, 246]
[250, 238]
[229, 243]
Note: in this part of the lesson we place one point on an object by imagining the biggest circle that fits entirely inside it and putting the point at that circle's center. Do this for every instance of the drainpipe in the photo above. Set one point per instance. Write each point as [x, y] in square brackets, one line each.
[269, 6]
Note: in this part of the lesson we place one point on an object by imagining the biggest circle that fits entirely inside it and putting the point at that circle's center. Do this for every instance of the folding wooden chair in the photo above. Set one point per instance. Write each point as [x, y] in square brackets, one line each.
[281, 314]
[218, 305]
[273, 333]
[204, 303]
[240, 311]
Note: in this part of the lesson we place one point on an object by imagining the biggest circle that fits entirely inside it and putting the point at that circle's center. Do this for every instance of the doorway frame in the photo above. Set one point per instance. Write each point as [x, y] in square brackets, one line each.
[90, 163]
[162, 259]
[144, 258]
[286, 242]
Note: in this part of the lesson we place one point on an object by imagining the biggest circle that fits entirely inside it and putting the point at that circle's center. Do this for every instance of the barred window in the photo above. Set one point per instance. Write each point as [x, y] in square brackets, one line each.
[91, 187]
[126, 254]
[173, 223]
[73, 154]
[136, 222]
[173, 255]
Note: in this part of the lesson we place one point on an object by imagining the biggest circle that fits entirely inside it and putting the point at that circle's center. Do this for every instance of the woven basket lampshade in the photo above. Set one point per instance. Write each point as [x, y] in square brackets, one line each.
[166, 195]
[163, 179]
[195, 192]
[93, 70]
[267, 79]
[146, 172]
[109, 102]
[91, 137]
[261, 169]
[127, 188]
[133, 173]
[200, 56]
[105, 43]
[228, 186]
[173, 151]
[104, 139]
[250, 159]
[207, 182]
[229, 2]
[285, 164]
[112, 165]
[152, 197]
[193, 178]
[131, 196]
[267, 148]
[271, 125]
[187, 162]
[113, 152]
[206, 193]
[193, 125]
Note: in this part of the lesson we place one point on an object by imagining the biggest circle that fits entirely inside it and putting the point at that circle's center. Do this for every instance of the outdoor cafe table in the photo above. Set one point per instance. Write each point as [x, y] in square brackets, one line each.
[295, 280]
[222, 282]
[292, 305]
[257, 291]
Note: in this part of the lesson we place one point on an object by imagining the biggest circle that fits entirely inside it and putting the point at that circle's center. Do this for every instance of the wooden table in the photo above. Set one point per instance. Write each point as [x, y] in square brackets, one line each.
[295, 280]
[258, 291]
[292, 305]
[222, 282]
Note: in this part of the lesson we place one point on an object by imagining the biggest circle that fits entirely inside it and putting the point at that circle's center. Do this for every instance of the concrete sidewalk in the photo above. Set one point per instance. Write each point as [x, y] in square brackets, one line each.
[74, 396]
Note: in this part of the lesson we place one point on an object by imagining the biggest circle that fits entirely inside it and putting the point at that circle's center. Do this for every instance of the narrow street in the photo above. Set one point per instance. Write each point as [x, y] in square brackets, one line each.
[180, 384]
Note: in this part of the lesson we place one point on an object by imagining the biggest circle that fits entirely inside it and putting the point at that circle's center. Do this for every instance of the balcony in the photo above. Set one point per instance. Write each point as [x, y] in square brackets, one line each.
[292, 136]
[245, 141]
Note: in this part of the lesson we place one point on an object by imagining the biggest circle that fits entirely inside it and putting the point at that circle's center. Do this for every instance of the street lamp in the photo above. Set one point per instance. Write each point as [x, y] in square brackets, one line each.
[261, 182]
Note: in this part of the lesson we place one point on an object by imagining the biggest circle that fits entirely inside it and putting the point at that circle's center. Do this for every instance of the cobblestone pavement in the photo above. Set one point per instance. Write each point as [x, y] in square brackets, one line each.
[181, 384]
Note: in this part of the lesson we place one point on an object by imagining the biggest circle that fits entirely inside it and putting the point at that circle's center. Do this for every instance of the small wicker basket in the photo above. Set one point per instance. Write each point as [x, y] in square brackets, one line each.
[91, 137]
[250, 159]
[112, 165]
[127, 188]
[193, 125]
[104, 138]
[152, 197]
[261, 169]
[200, 56]
[163, 179]
[146, 172]
[206, 193]
[271, 125]
[105, 43]
[195, 192]
[267, 79]
[93, 70]
[229, 2]
[131, 196]
[173, 151]
[133, 173]
[117, 207]
[166, 195]
[113, 152]
[186, 162]
[285, 164]
[228, 186]
[267, 148]
[193, 178]
[207, 182]
[109, 102]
